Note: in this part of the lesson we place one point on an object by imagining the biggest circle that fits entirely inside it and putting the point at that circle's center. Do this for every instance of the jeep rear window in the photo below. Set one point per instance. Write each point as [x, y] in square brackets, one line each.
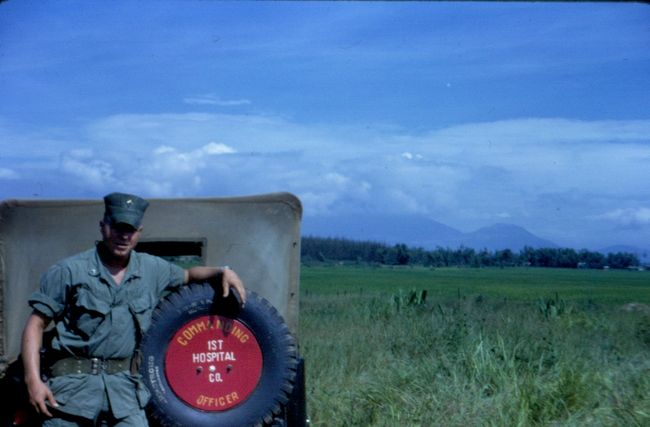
[185, 253]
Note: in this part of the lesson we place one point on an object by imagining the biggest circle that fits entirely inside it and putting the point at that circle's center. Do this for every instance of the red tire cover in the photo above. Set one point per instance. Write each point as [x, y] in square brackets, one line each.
[213, 363]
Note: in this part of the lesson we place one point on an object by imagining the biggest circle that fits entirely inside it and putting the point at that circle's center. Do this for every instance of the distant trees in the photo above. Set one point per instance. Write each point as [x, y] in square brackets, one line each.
[622, 260]
[319, 249]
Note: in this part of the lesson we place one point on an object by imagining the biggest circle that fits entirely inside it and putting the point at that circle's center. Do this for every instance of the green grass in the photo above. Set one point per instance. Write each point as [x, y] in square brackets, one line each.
[482, 349]
[603, 286]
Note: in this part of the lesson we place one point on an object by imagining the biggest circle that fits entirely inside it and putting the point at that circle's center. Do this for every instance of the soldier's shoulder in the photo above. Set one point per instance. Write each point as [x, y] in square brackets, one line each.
[76, 260]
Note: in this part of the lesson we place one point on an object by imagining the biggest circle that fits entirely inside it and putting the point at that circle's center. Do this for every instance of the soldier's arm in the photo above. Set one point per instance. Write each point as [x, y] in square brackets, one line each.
[229, 279]
[39, 393]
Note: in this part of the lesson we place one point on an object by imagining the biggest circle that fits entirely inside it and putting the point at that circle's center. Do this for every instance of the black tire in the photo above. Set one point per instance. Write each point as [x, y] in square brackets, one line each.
[175, 402]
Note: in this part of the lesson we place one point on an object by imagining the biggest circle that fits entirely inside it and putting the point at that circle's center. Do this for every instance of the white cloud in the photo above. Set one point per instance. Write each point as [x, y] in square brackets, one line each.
[211, 99]
[170, 163]
[542, 155]
[327, 193]
[91, 172]
[549, 130]
[164, 149]
[408, 203]
[465, 176]
[6, 173]
[410, 156]
[145, 132]
[628, 216]
[215, 148]
[319, 202]
[474, 168]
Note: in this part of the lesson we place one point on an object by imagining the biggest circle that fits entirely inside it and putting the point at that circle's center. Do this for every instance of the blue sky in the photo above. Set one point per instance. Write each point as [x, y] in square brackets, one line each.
[470, 114]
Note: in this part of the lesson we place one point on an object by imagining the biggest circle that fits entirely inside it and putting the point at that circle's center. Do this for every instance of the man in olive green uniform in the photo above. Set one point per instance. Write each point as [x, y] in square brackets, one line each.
[101, 302]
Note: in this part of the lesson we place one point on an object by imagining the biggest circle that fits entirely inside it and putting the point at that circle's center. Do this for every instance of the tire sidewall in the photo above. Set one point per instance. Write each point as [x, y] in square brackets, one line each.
[279, 359]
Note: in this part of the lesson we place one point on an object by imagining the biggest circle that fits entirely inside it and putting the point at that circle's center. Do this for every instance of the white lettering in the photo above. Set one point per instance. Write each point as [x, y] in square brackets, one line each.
[215, 345]
[214, 356]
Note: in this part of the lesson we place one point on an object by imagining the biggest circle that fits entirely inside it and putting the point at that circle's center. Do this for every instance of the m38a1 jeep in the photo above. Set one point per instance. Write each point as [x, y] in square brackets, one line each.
[206, 360]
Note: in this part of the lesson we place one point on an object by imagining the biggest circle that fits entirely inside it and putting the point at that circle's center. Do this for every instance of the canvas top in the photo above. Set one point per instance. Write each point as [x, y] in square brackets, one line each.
[257, 236]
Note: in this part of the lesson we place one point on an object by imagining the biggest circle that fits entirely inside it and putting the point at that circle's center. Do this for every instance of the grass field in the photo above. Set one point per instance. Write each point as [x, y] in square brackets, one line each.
[493, 347]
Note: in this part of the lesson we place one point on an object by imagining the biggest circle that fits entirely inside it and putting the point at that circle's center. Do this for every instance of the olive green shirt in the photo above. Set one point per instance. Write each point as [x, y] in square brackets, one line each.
[95, 317]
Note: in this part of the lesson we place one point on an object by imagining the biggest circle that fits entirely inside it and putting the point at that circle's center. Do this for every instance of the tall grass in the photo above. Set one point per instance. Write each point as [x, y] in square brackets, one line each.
[478, 350]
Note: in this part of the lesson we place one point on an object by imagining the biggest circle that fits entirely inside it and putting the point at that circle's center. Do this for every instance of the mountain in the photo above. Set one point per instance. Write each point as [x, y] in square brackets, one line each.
[417, 230]
[413, 230]
[420, 231]
[503, 236]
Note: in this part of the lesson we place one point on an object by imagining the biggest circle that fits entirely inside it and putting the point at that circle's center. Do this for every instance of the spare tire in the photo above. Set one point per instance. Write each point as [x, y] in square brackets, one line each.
[208, 362]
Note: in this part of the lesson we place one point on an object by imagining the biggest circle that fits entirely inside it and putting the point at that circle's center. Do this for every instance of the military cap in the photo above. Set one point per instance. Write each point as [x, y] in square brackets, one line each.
[125, 208]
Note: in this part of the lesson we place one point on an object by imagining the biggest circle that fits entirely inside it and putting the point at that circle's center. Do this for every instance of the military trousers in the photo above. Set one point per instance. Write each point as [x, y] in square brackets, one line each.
[104, 418]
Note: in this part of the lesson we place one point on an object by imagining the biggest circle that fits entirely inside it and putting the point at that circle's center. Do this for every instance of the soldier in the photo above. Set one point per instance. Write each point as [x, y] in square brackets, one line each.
[101, 302]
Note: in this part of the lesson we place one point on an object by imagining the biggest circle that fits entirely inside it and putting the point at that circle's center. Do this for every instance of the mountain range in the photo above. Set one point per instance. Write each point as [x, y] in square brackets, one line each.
[419, 231]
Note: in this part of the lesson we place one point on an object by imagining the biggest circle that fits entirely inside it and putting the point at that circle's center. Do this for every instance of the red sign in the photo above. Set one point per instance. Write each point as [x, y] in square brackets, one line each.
[213, 363]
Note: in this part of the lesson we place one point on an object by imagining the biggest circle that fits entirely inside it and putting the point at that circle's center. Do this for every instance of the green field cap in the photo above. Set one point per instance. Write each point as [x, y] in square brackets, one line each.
[125, 208]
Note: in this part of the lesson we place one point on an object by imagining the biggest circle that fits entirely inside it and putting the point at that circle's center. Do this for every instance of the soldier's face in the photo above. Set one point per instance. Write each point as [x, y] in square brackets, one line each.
[120, 238]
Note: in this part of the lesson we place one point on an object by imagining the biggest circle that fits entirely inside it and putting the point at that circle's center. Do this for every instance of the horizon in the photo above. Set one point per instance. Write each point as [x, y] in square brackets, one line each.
[494, 237]
[642, 257]
[467, 114]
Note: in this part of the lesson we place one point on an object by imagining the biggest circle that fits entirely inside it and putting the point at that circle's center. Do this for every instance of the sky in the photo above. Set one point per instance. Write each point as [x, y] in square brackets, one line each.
[467, 113]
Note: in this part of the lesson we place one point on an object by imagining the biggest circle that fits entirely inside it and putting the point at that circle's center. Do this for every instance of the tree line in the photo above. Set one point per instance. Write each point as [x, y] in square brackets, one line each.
[326, 249]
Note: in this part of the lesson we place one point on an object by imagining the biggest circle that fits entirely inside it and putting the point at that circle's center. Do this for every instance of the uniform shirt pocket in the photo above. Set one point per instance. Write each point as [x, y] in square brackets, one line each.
[88, 312]
[142, 308]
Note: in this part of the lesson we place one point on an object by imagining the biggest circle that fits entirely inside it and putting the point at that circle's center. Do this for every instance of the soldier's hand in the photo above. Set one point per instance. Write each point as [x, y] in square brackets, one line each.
[230, 279]
[40, 396]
